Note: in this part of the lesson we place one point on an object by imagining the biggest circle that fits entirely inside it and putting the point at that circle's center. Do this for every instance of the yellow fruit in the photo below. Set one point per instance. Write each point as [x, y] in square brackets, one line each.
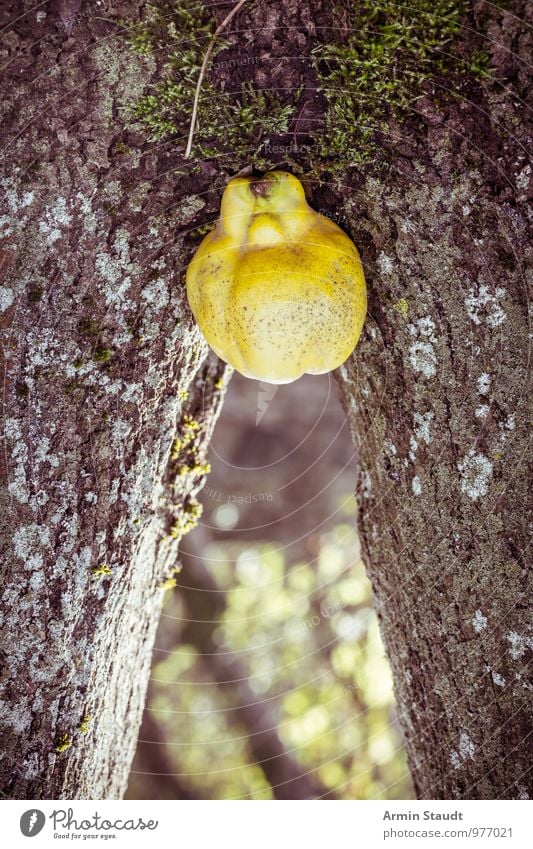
[276, 288]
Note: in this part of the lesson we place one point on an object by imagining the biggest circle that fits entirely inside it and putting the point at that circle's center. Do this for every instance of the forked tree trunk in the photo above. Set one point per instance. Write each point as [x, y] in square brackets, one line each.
[100, 353]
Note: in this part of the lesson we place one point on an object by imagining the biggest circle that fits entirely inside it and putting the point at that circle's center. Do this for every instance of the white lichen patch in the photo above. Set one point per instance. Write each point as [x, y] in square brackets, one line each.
[476, 474]
[29, 540]
[18, 454]
[482, 305]
[482, 411]
[479, 621]
[56, 220]
[455, 760]
[416, 486]
[86, 210]
[385, 263]
[366, 485]
[189, 207]
[497, 679]
[156, 294]
[422, 432]
[422, 427]
[466, 747]
[120, 431]
[7, 297]
[483, 383]
[518, 644]
[422, 352]
[41, 453]
[523, 178]
[15, 202]
[116, 269]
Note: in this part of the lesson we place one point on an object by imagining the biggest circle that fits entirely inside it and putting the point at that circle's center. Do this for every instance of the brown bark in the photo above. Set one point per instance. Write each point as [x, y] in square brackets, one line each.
[99, 352]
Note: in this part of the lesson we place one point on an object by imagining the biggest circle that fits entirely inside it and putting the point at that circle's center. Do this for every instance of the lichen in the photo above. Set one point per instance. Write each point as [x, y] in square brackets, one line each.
[63, 742]
[476, 474]
[84, 726]
[101, 571]
[402, 306]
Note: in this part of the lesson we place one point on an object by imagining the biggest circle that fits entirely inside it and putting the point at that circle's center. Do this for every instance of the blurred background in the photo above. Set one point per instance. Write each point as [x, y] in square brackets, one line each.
[269, 678]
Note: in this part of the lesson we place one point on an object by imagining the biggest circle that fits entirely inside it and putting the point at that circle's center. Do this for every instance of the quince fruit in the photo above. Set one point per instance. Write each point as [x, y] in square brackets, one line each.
[277, 289]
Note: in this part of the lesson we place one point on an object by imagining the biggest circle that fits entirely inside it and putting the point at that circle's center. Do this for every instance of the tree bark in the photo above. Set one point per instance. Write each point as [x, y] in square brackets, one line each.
[436, 397]
[101, 366]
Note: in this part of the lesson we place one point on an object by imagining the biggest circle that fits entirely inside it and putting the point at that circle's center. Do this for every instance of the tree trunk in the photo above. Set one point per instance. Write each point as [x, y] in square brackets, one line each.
[102, 365]
[436, 397]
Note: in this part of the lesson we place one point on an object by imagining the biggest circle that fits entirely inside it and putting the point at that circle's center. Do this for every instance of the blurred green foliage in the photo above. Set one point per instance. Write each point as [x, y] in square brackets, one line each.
[307, 643]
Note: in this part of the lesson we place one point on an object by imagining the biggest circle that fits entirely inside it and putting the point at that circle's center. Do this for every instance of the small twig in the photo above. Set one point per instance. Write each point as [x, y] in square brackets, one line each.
[201, 75]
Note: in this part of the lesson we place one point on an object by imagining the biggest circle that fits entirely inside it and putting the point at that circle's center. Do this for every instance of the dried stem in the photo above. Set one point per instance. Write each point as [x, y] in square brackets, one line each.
[201, 75]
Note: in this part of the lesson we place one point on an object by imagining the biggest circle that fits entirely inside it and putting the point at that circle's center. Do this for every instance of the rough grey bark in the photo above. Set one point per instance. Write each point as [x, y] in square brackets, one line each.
[436, 396]
[101, 366]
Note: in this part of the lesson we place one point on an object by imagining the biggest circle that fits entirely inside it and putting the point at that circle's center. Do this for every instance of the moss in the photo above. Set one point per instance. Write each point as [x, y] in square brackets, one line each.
[21, 390]
[121, 149]
[88, 326]
[101, 571]
[230, 125]
[390, 55]
[63, 742]
[35, 294]
[480, 63]
[102, 355]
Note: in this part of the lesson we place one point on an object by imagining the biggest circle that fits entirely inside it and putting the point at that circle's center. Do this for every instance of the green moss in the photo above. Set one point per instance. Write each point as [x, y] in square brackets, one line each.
[389, 56]
[480, 63]
[102, 355]
[230, 125]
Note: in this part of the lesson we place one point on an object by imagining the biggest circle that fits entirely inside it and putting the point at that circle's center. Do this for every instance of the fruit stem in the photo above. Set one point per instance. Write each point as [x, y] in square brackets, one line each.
[260, 188]
[201, 75]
